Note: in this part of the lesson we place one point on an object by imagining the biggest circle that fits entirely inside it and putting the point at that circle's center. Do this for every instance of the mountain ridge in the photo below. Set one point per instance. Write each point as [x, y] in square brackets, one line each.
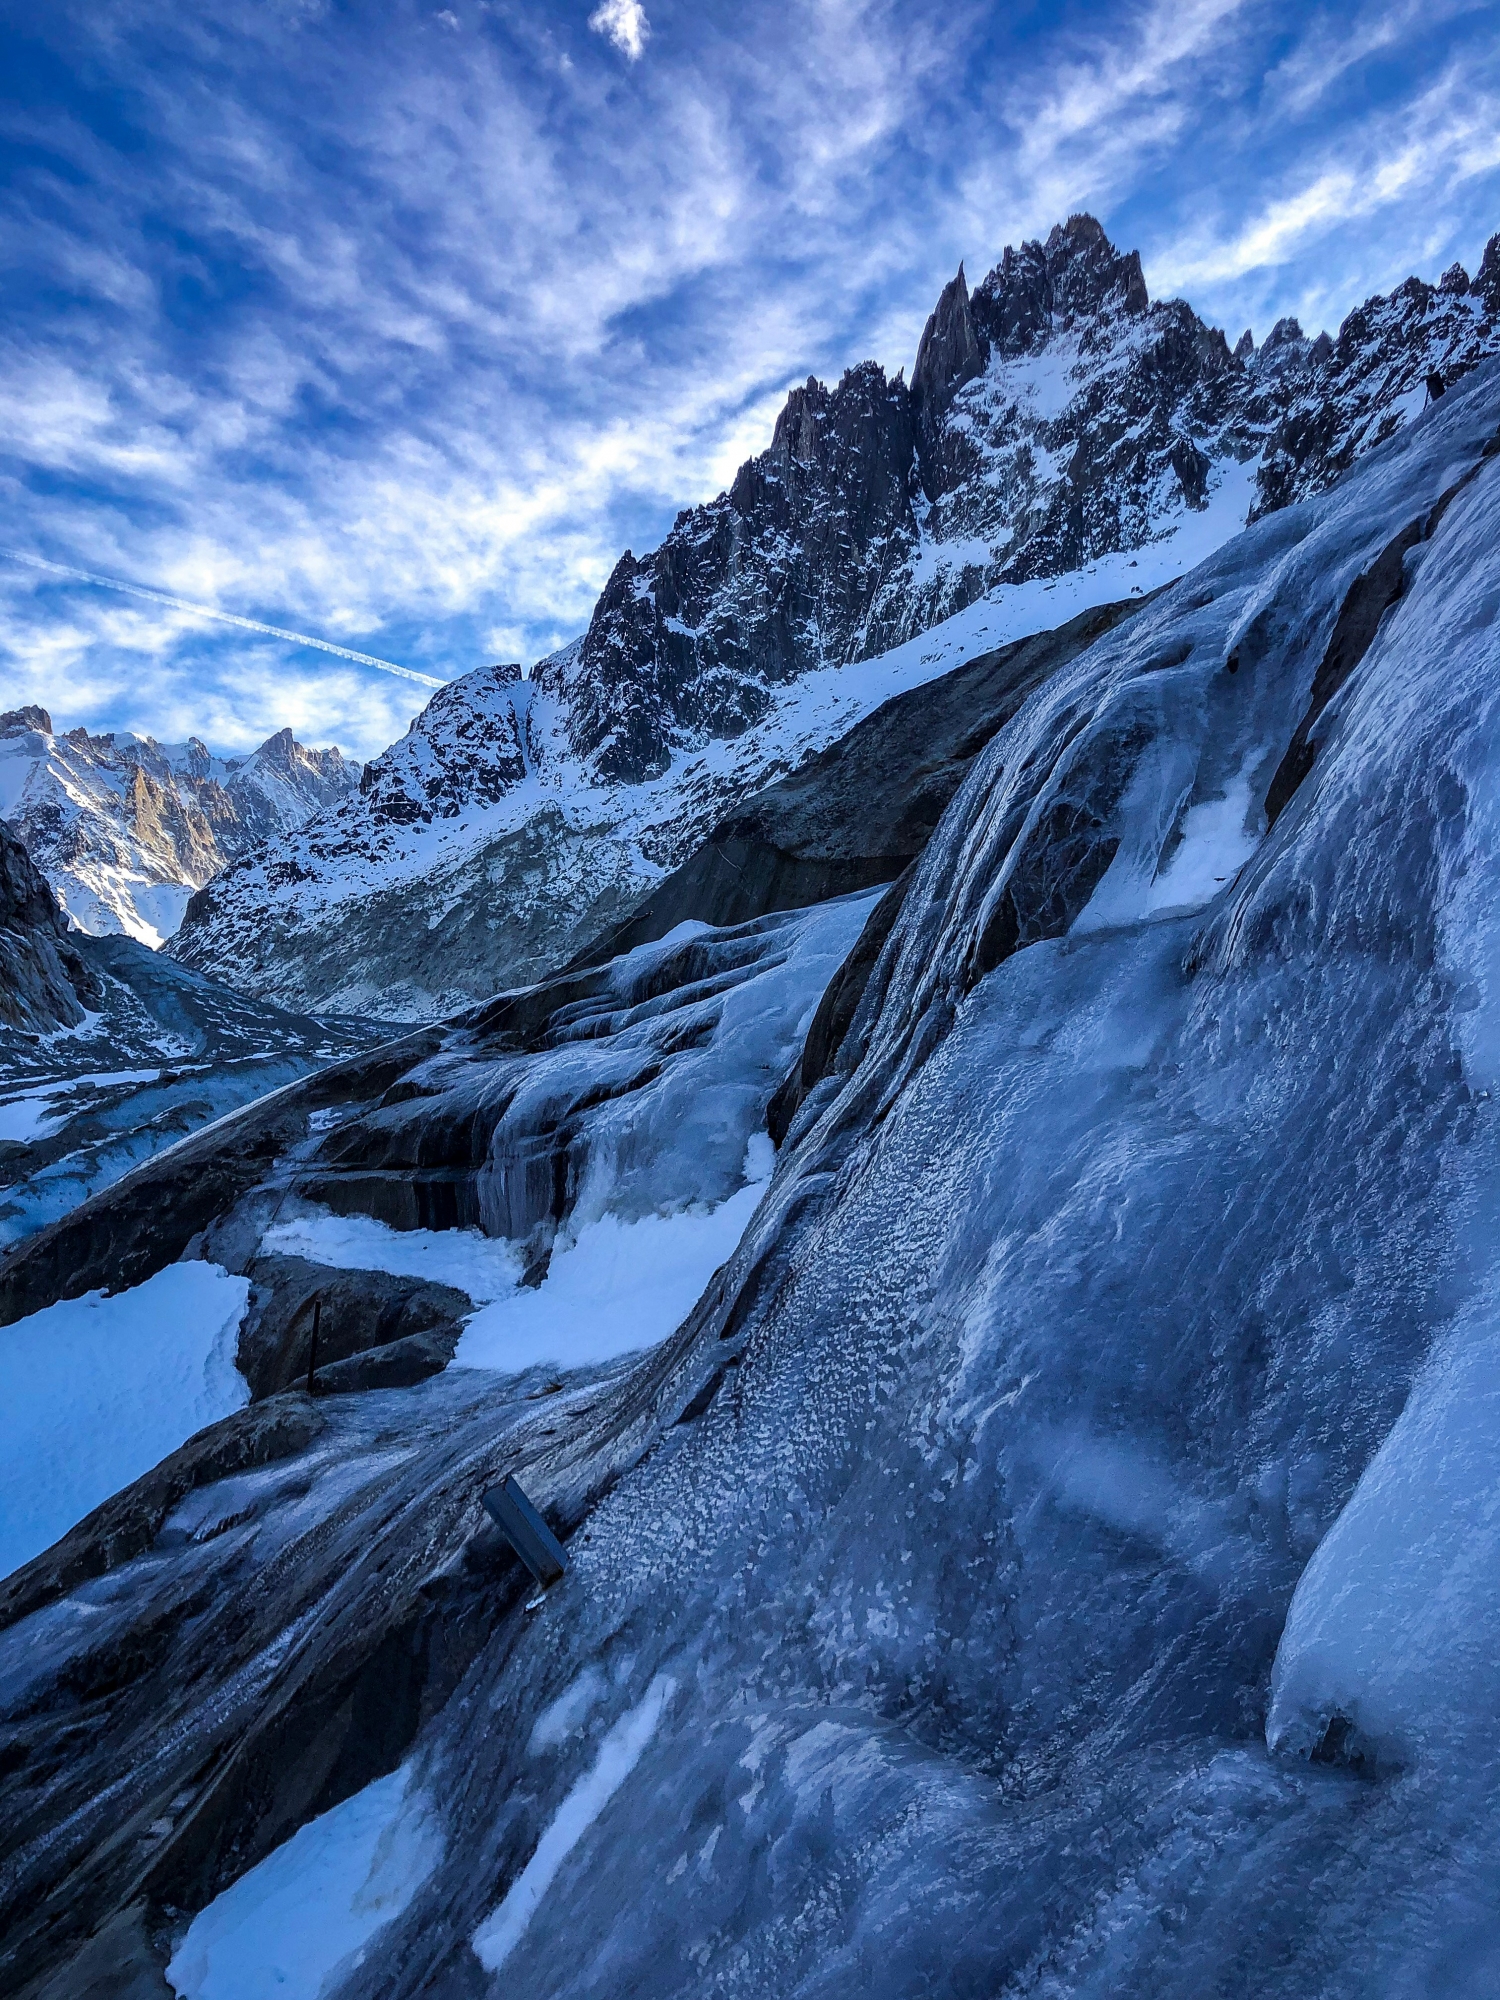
[1059, 425]
[125, 828]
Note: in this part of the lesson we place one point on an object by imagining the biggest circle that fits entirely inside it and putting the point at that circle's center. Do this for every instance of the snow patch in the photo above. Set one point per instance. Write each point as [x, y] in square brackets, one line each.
[465, 1258]
[305, 1917]
[616, 1288]
[96, 1391]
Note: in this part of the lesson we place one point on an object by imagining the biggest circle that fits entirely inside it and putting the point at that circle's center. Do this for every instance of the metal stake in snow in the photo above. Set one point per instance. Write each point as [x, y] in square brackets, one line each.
[526, 1531]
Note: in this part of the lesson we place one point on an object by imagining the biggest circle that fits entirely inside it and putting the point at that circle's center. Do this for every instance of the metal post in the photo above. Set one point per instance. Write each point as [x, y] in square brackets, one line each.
[312, 1352]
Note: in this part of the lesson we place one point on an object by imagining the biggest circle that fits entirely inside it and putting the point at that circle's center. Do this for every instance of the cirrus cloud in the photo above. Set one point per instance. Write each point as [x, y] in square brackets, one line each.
[397, 330]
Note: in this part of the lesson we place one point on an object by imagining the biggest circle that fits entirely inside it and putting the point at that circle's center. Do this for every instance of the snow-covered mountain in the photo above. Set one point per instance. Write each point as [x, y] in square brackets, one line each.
[1063, 440]
[1033, 1533]
[126, 828]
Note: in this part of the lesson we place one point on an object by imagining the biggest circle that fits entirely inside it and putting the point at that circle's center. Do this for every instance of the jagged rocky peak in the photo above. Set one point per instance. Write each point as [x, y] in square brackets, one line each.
[464, 749]
[773, 577]
[951, 350]
[1076, 274]
[21, 721]
[824, 550]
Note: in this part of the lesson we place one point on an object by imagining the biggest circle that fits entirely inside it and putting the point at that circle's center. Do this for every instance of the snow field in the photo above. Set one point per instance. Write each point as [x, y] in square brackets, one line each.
[612, 1287]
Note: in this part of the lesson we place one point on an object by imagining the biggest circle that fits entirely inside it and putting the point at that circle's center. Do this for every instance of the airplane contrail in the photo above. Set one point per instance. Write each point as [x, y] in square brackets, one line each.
[224, 617]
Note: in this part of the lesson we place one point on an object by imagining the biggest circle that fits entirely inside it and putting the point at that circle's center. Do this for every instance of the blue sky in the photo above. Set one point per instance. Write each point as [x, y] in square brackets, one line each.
[395, 323]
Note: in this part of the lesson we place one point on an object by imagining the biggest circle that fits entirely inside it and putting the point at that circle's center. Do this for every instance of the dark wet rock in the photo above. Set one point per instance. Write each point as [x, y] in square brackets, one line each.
[45, 983]
[295, 1677]
[363, 1318]
[1365, 604]
[828, 1036]
[125, 1527]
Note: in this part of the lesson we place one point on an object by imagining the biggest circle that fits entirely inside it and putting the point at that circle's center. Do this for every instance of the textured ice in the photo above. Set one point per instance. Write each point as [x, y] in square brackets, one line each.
[94, 1391]
[619, 1753]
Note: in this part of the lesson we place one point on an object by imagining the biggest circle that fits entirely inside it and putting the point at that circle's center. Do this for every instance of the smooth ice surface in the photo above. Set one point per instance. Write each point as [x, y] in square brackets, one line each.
[95, 1391]
[665, 1092]
[617, 1287]
[310, 1911]
[619, 1753]
[465, 1258]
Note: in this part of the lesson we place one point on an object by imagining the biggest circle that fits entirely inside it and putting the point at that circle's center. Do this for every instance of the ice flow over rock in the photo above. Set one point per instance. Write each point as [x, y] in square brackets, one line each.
[999, 1549]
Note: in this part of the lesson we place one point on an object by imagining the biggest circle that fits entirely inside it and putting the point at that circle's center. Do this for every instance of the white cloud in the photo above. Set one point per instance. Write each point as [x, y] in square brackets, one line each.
[1414, 157]
[625, 23]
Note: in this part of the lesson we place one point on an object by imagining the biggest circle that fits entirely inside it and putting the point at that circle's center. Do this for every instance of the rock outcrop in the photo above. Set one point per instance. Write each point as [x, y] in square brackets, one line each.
[45, 983]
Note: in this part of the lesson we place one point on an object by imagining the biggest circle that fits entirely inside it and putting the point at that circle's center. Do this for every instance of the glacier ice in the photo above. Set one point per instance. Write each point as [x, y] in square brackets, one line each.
[1067, 1520]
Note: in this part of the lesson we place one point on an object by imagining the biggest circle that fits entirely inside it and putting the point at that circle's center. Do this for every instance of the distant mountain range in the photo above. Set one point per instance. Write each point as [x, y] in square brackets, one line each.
[125, 828]
[1063, 441]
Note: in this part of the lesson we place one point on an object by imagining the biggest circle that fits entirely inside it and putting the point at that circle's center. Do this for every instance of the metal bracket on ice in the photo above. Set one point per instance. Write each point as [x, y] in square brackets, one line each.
[526, 1531]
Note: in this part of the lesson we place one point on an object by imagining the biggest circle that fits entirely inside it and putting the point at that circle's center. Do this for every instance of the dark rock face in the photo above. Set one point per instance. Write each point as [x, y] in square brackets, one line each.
[362, 1316]
[950, 353]
[778, 575]
[855, 814]
[45, 983]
